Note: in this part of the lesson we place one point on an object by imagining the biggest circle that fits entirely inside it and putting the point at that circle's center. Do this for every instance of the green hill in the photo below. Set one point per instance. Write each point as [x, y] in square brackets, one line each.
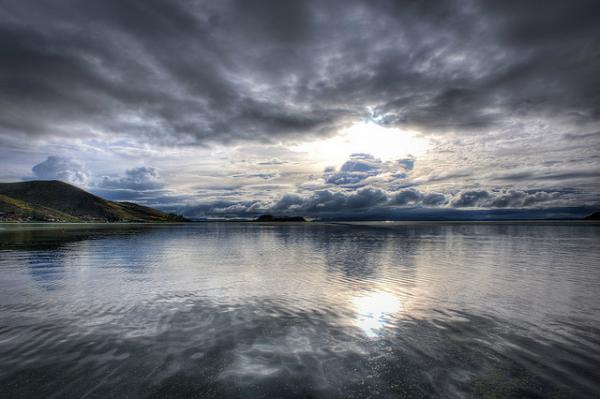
[61, 202]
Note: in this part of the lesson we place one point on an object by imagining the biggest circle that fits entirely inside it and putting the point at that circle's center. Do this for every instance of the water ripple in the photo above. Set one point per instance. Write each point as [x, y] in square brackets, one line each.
[322, 310]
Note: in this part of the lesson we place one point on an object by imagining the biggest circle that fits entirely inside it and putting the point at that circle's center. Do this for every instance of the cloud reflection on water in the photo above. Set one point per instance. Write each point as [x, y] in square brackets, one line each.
[320, 310]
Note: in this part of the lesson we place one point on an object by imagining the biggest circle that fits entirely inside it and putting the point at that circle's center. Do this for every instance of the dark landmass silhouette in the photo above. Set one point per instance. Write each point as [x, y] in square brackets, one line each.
[593, 216]
[271, 218]
[57, 201]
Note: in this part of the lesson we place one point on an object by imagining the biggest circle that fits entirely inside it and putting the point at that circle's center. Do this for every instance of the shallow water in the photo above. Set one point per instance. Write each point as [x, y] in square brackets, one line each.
[300, 310]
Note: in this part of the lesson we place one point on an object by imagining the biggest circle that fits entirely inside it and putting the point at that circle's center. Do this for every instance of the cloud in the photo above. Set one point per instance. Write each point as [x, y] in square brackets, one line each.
[288, 201]
[370, 202]
[369, 198]
[223, 210]
[471, 198]
[338, 201]
[408, 196]
[406, 163]
[330, 201]
[138, 179]
[59, 168]
[320, 201]
[503, 199]
[355, 170]
[505, 94]
[361, 166]
[434, 199]
[263, 71]
[518, 199]
[571, 174]
[264, 176]
[274, 161]
[413, 197]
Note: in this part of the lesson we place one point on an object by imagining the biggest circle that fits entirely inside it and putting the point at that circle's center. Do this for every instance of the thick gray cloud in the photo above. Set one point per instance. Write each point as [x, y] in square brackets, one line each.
[413, 197]
[370, 201]
[139, 179]
[59, 168]
[141, 184]
[361, 166]
[409, 196]
[199, 71]
[503, 199]
[468, 199]
[335, 201]
[434, 199]
[357, 169]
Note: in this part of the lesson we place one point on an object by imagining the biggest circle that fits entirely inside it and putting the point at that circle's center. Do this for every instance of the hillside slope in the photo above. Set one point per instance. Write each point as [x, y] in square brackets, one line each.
[58, 201]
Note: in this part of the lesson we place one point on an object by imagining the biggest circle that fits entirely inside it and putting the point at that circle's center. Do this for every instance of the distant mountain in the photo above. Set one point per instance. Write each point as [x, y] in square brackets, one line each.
[593, 216]
[271, 218]
[56, 201]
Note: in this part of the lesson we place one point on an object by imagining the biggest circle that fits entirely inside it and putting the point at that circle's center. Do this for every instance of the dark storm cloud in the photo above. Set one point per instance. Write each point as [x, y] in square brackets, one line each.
[543, 59]
[195, 72]
[170, 71]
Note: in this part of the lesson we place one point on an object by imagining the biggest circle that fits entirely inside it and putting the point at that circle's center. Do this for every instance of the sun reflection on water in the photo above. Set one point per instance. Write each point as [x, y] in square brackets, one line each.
[375, 310]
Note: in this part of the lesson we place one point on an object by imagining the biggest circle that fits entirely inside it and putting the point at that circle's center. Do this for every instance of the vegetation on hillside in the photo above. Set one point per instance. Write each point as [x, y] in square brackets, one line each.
[56, 201]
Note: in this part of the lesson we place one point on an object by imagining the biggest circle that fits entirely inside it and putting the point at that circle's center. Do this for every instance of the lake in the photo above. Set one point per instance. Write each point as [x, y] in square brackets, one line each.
[327, 310]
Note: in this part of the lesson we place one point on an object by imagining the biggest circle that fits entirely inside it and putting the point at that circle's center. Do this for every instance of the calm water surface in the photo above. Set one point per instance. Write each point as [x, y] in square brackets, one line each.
[300, 310]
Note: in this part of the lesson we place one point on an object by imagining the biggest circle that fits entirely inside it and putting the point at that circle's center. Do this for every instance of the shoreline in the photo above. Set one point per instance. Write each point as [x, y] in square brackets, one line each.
[338, 222]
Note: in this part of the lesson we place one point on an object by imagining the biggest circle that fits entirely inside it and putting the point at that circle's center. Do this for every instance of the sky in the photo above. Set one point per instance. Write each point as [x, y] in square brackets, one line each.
[327, 109]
